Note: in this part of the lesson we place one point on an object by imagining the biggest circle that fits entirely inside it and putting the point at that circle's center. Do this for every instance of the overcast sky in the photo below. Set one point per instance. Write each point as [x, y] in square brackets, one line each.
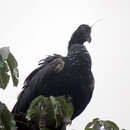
[36, 28]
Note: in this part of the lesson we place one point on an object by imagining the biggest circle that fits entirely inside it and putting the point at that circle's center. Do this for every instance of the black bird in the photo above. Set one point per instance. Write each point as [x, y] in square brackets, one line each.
[58, 75]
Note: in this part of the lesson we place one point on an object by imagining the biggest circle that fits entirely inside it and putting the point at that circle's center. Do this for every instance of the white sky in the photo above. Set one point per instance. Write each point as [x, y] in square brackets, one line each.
[36, 28]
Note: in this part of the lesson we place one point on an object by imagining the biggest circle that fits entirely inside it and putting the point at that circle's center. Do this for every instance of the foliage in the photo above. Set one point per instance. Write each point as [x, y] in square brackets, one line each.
[7, 62]
[6, 119]
[51, 112]
[98, 124]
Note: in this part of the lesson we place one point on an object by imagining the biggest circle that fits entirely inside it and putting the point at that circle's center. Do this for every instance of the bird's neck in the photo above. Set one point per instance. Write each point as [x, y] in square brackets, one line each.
[76, 48]
[73, 41]
[79, 56]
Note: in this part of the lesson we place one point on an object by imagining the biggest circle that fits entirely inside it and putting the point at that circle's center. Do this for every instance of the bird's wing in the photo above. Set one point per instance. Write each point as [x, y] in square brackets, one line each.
[43, 63]
[37, 80]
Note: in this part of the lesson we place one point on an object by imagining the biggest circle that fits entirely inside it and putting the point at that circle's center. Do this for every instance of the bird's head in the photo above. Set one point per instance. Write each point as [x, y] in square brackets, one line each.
[81, 35]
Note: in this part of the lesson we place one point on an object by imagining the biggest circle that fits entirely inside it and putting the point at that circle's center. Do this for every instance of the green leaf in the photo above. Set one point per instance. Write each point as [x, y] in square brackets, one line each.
[7, 62]
[6, 119]
[35, 108]
[98, 124]
[12, 63]
[57, 111]
[4, 77]
[65, 108]
[96, 120]
[50, 111]
[108, 125]
[41, 110]
[89, 125]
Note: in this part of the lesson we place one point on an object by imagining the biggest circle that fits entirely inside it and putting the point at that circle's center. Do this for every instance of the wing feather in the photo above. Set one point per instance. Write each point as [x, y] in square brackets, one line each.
[37, 80]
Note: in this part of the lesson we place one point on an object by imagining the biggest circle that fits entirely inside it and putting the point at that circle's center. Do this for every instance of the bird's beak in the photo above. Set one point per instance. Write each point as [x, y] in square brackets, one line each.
[89, 39]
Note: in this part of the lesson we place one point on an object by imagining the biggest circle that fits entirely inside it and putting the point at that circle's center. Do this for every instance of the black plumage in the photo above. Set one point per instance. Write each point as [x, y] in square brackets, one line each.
[58, 75]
